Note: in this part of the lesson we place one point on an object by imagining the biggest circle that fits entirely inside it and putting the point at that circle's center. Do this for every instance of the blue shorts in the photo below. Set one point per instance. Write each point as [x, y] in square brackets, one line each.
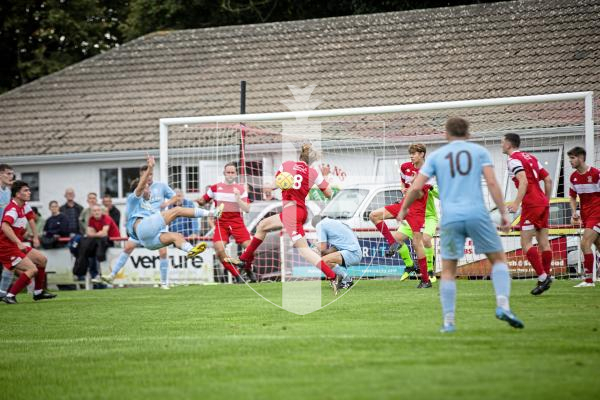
[351, 257]
[481, 230]
[149, 229]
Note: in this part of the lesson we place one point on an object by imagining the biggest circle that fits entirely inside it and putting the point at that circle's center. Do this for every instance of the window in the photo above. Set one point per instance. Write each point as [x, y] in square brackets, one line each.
[384, 198]
[192, 179]
[345, 204]
[109, 182]
[175, 176]
[33, 180]
[128, 176]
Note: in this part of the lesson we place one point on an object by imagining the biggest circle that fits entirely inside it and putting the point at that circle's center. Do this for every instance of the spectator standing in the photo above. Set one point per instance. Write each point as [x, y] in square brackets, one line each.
[84, 217]
[111, 210]
[72, 211]
[56, 226]
[188, 227]
[7, 177]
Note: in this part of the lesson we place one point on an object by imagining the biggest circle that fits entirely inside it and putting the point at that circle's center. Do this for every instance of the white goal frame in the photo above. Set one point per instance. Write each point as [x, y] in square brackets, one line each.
[586, 96]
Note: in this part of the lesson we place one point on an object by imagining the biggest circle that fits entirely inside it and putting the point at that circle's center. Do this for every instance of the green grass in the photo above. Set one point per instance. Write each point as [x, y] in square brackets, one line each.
[379, 341]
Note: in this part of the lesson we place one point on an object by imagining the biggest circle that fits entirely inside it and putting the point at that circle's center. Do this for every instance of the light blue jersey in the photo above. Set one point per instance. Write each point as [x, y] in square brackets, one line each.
[458, 168]
[159, 192]
[4, 199]
[340, 236]
[137, 207]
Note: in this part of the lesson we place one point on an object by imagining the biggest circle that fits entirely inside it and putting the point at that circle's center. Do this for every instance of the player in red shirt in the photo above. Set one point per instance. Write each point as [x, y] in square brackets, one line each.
[415, 217]
[294, 214]
[14, 254]
[526, 172]
[234, 197]
[585, 183]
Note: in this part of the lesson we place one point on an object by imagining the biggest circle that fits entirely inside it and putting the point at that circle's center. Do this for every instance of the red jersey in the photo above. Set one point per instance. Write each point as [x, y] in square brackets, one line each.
[304, 179]
[222, 193]
[408, 173]
[525, 162]
[587, 187]
[98, 224]
[17, 217]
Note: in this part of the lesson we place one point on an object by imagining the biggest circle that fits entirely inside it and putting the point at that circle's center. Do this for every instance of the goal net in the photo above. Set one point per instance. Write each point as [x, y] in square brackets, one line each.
[361, 151]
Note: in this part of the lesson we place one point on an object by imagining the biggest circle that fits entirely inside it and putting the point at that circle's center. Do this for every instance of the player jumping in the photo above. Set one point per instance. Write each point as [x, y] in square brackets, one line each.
[458, 167]
[585, 183]
[148, 226]
[293, 216]
[234, 198]
[526, 172]
[15, 256]
[415, 218]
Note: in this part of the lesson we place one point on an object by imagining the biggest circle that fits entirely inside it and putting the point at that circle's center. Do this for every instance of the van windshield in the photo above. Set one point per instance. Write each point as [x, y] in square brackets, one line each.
[345, 203]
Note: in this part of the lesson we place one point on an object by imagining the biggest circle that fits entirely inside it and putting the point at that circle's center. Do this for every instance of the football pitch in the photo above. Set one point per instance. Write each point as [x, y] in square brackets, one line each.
[381, 340]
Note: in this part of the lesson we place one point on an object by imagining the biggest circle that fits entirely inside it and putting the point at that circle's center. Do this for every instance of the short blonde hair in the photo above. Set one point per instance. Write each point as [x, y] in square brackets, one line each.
[417, 148]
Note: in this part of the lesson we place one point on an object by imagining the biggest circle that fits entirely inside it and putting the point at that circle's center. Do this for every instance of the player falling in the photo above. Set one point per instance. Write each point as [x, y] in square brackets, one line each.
[149, 227]
[15, 255]
[294, 213]
[415, 219]
[526, 172]
[234, 198]
[458, 167]
[585, 183]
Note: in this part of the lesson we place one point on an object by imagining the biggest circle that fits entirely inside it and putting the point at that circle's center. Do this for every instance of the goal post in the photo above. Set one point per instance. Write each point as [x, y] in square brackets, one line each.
[366, 144]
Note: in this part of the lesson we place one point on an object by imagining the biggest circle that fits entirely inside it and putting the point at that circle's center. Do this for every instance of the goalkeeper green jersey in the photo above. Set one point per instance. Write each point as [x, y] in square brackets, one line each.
[430, 210]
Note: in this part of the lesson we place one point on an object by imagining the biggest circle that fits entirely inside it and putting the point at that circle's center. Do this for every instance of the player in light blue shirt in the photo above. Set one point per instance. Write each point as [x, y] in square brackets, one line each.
[147, 225]
[339, 247]
[7, 177]
[458, 167]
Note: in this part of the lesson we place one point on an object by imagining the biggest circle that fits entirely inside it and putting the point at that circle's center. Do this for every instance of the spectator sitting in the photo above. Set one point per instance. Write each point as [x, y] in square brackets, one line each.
[56, 226]
[71, 210]
[39, 224]
[84, 217]
[188, 227]
[111, 210]
[93, 247]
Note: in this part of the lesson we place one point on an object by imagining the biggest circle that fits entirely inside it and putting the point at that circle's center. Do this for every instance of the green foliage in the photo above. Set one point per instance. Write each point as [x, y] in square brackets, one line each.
[379, 341]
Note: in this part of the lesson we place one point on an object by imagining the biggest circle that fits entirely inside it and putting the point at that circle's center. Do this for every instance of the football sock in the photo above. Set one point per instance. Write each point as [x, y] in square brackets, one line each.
[423, 269]
[448, 299]
[534, 259]
[248, 254]
[123, 257]
[234, 271]
[326, 270]
[547, 261]
[405, 255]
[588, 266]
[200, 212]
[19, 285]
[40, 279]
[501, 282]
[164, 270]
[429, 257]
[6, 280]
[187, 246]
[385, 231]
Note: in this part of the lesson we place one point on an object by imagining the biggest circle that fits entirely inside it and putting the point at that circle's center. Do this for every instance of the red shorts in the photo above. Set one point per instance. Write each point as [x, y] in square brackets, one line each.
[235, 228]
[592, 223]
[534, 218]
[293, 219]
[9, 258]
[416, 221]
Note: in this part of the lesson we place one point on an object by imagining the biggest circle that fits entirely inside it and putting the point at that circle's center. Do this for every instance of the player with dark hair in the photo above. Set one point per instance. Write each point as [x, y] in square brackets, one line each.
[234, 198]
[526, 172]
[415, 218]
[294, 213]
[16, 256]
[458, 167]
[585, 183]
[148, 226]
[161, 197]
